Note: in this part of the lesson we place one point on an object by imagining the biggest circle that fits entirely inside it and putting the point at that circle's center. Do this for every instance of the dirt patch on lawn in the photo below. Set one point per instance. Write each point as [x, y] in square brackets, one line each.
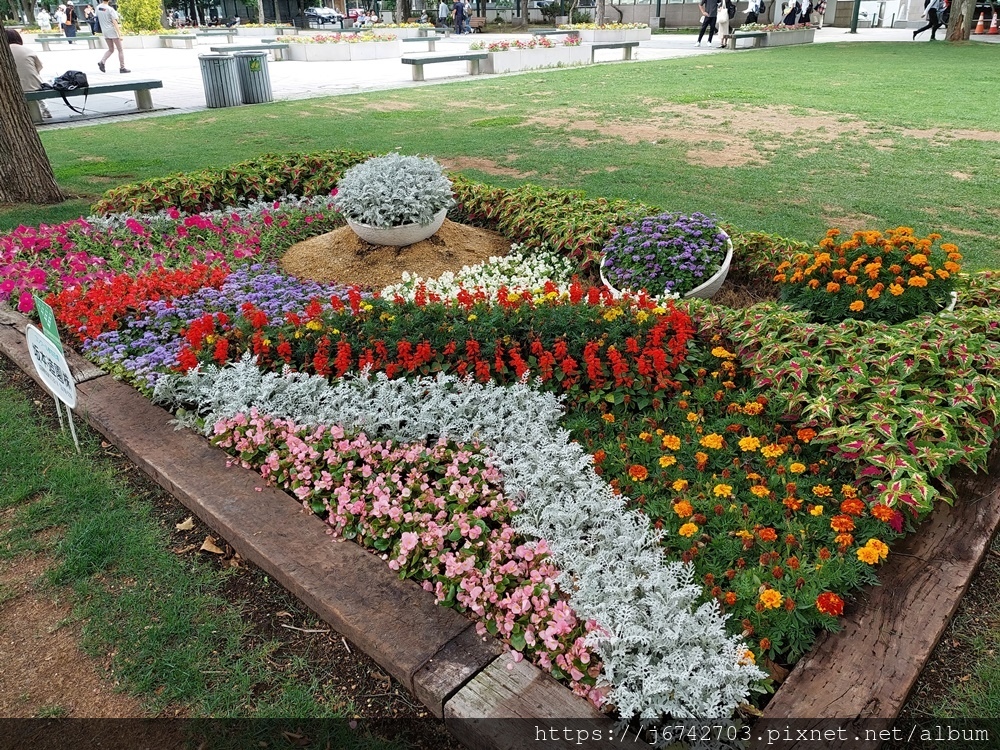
[486, 166]
[343, 257]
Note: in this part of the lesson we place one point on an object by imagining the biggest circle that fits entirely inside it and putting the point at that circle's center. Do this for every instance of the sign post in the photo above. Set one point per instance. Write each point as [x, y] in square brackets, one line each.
[50, 364]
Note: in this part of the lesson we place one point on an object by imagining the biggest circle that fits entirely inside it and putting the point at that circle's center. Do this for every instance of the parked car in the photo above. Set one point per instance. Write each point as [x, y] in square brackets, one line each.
[324, 15]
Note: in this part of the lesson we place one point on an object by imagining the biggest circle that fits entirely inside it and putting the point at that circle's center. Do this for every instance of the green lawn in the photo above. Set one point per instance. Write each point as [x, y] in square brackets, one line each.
[790, 140]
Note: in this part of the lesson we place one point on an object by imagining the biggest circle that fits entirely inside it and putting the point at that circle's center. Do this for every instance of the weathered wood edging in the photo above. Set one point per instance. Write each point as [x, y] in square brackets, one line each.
[862, 673]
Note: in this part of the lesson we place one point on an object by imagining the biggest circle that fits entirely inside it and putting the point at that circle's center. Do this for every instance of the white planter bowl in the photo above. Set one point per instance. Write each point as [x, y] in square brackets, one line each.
[705, 290]
[405, 234]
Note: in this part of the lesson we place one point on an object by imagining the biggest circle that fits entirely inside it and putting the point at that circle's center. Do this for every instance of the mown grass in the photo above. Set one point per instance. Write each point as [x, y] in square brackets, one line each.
[790, 140]
[176, 641]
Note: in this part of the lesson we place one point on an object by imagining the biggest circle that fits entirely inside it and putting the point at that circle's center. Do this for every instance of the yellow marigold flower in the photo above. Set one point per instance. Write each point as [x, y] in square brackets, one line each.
[797, 468]
[868, 555]
[744, 534]
[752, 409]
[684, 509]
[772, 451]
[645, 436]
[760, 490]
[679, 485]
[822, 490]
[895, 290]
[749, 444]
[642, 316]
[671, 441]
[690, 529]
[722, 353]
[692, 417]
[817, 510]
[666, 461]
[857, 306]
[722, 490]
[747, 658]
[609, 418]
[771, 599]
[918, 259]
[917, 281]
[611, 313]
[879, 547]
[714, 441]
[472, 317]
[314, 325]
[848, 491]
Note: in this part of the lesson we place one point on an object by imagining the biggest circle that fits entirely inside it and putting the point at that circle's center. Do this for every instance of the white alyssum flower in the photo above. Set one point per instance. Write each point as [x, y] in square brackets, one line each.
[664, 654]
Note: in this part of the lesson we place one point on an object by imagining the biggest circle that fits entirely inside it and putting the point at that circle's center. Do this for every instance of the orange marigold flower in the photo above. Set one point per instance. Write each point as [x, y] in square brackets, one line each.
[882, 512]
[857, 306]
[671, 442]
[842, 523]
[868, 555]
[748, 444]
[714, 441]
[830, 604]
[679, 485]
[895, 269]
[832, 287]
[822, 490]
[765, 644]
[952, 267]
[852, 507]
[824, 553]
[701, 458]
[918, 259]
[844, 540]
[792, 562]
[814, 284]
[772, 451]
[684, 509]
[851, 280]
[880, 548]
[753, 408]
[917, 281]
[780, 278]
[806, 434]
[692, 417]
[839, 274]
[722, 490]
[729, 598]
[609, 418]
[942, 273]
[770, 598]
[895, 290]
[760, 490]
[767, 534]
[792, 503]
[638, 472]
[599, 456]
[688, 529]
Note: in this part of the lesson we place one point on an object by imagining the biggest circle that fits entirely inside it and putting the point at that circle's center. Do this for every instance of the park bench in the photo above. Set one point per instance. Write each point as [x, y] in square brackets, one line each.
[554, 32]
[419, 61]
[178, 41]
[430, 40]
[143, 99]
[627, 46]
[477, 24]
[279, 49]
[92, 42]
[443, 31]
[757, 37]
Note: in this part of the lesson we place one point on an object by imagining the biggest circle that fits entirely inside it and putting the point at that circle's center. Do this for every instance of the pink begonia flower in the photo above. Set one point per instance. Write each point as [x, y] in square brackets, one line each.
[25, 303]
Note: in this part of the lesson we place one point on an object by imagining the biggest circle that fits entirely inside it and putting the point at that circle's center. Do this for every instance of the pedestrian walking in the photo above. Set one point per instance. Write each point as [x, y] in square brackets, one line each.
[467, 17]
[821, 11]
[932, 12]
[757, 10]
[443, 11]
[459, 10]
[709, 14]
[44, 20]
[69, 25]
[112, 28]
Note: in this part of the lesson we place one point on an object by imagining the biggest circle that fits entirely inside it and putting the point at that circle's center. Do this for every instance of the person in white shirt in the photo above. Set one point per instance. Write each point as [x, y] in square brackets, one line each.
[44, 20]
[443, 10]
[111, 27]
[932, 12]
[60, 16]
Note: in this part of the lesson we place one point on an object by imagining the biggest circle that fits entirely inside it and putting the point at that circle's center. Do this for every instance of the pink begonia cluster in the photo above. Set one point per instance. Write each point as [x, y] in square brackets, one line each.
[435, 514]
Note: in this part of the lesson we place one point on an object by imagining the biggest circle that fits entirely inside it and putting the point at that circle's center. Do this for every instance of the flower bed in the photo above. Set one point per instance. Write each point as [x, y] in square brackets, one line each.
[611, 32]
[779, 35]
[752, 468]
[322, 47]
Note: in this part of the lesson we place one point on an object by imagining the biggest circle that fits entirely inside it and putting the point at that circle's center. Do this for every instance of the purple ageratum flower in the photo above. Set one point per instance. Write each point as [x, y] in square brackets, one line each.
[147, 345]
[687, 250]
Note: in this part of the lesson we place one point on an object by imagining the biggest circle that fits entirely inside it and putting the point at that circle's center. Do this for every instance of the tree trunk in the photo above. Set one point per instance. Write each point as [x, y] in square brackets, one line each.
[277, 13]
[599, 12]
[25, 173]
[960, 20]
[260, 11]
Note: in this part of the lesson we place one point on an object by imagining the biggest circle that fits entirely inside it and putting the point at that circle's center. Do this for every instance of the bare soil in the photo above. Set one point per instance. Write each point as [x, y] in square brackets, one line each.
[344, 257]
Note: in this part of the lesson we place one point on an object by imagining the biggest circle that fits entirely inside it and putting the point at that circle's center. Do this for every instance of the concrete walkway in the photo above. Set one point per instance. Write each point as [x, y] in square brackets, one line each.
[183, 91]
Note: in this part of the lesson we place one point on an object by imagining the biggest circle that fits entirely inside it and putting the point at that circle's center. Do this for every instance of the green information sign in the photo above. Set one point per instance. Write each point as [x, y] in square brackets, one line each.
[48, 320]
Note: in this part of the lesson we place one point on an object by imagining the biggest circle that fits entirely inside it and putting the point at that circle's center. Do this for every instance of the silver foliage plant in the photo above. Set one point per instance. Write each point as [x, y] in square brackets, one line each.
[664, 654]
[387, 191]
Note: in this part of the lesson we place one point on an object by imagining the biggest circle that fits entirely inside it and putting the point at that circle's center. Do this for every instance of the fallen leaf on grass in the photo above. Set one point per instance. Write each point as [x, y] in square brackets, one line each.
[186, 525]
[209, 546]
[282, 614]
[185, 550]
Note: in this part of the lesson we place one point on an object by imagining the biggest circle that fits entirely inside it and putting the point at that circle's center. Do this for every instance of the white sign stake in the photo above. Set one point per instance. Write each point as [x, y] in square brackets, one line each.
[51, 366]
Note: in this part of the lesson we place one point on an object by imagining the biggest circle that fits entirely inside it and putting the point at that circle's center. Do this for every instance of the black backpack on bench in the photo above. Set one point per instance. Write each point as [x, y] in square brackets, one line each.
[71, 80]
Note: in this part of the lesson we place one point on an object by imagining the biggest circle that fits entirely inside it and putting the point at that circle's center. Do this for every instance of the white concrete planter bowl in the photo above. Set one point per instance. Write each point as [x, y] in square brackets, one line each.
[338, 51]
[405, 234]
[142, 41]
[705, 290]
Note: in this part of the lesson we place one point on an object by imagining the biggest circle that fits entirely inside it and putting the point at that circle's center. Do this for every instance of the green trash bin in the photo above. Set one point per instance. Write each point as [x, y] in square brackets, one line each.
[255, 80]
[222, 82]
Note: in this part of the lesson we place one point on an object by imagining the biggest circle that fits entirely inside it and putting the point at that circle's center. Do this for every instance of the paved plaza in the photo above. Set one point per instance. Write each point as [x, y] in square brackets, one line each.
[183, 90]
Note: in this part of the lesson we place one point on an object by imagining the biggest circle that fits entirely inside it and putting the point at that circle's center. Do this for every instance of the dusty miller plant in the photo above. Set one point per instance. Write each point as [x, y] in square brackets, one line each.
[664, 653]
[387, 191]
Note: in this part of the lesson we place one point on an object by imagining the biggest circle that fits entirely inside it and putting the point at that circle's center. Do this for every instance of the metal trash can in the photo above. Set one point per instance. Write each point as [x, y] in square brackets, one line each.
[255, 80]
[222, 82]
